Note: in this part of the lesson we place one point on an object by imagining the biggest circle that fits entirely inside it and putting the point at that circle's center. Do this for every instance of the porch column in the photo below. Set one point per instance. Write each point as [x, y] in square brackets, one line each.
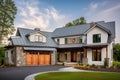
[85, 60]
[106, 52]
[78, 57]
[106, 62]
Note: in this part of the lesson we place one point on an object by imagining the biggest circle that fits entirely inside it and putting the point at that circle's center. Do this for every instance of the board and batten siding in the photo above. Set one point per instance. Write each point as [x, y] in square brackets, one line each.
[96, 30]
[32, 37]
[103, 56]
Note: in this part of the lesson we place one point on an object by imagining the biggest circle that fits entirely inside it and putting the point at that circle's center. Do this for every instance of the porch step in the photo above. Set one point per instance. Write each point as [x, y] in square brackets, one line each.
[70, 64]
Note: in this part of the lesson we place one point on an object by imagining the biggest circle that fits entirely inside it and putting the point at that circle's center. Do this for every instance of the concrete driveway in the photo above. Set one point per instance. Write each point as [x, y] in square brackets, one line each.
[19, 73]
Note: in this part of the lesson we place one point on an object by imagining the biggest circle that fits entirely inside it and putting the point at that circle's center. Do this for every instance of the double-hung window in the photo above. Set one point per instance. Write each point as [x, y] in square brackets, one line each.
[96, 38]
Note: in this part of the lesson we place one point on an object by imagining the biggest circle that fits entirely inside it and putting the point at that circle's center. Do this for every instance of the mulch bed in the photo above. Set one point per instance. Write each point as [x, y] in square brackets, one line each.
[105, 69]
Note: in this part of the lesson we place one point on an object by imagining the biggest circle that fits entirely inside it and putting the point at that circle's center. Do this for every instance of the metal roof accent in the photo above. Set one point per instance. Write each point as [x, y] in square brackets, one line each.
[39, 49]
[70, 45]
[96, 44]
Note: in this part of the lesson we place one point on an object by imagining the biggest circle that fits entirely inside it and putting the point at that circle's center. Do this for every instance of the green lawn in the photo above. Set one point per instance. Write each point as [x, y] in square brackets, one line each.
[78, 76]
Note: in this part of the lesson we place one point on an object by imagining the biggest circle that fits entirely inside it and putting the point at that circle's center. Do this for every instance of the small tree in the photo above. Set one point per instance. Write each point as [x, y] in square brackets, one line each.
[78, 21]
[2, 55]
[69, 24]
[8, 11]
[116, 52]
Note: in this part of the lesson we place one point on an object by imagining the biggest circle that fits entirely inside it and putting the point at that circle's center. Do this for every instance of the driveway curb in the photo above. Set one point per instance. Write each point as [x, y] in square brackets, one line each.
[68, 69]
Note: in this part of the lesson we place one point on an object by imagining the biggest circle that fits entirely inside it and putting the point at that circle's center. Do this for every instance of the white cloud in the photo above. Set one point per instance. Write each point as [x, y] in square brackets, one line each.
[20, 25]
[54, 14]
[107, 14]
[93, 6]
[32, 15]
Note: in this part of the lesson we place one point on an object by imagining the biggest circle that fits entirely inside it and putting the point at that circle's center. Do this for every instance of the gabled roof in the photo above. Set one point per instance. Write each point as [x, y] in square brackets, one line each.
[99, 26]
[36, 32]
[24, 41]
[81, 29]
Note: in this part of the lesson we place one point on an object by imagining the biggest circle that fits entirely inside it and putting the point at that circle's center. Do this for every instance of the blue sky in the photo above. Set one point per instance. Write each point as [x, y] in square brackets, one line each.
[51, 14]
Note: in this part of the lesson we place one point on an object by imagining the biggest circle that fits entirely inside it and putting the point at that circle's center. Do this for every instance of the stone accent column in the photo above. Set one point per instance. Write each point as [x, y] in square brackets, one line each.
[53, 58]
[20, 57]
[68, 57]
[85, 60]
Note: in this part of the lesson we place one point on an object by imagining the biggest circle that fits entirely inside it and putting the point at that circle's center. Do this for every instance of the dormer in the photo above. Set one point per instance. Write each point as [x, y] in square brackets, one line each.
[37, 36]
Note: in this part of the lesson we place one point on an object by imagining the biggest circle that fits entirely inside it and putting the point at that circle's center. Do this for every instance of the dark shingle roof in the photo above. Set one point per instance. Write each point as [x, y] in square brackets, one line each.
[81, 29]
[69, 31]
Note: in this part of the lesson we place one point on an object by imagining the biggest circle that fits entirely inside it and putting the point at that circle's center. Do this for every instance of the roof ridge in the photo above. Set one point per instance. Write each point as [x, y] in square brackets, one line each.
[32, 30]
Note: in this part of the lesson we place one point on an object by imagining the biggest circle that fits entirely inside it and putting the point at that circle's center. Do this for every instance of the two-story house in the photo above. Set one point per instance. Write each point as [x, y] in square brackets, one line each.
[85, 44]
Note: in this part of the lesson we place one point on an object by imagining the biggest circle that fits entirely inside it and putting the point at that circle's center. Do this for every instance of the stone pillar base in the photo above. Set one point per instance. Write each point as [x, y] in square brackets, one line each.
[85, 60]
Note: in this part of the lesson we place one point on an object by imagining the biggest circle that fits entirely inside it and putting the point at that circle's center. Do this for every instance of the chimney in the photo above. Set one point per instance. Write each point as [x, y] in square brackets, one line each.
[37, 29]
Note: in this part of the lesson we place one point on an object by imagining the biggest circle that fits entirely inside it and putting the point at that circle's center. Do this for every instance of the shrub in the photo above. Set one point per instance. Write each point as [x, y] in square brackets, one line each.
[106, 62]
[116, 64]
[98, 66]
[82, 67]
[93, 65]
[2, 55]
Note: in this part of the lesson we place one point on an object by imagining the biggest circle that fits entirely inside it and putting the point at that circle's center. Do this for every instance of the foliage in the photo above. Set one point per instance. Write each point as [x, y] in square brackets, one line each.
[106, 62]
[82, 67]
[116, 52]
[69, 24]
[93, 65]
[8, 11]
[78, 21]
[116, 64]
[78, 76]
[2, 55]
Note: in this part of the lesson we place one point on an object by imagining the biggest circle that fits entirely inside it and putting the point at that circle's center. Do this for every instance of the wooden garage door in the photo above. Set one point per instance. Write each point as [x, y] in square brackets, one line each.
[28, 59]
[38, 59]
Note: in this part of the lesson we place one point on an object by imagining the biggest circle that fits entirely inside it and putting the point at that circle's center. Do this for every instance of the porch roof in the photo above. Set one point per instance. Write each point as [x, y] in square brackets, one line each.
[96, 45]
[38, 49]
[70, 45]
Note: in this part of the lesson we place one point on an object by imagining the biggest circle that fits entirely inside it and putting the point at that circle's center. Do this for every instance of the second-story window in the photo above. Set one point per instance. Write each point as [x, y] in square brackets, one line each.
[80, 39]
[96, 38]
[73, 40]
[38, 38]
[58, 40]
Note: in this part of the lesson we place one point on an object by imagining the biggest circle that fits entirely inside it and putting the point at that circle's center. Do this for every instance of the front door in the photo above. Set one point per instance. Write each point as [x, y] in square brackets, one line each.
[73, 56]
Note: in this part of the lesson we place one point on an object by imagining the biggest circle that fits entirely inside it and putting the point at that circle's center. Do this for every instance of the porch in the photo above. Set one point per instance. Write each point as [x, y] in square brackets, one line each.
[71, 56]
[90, 54]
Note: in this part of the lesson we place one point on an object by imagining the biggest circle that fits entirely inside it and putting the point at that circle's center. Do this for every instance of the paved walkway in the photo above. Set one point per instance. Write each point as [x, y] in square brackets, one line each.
[67, 69]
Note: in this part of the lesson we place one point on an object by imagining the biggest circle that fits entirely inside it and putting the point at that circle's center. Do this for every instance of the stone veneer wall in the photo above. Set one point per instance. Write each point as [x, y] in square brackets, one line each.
[68, 56]
[61, 56]
[53, 58]
[20, 57]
